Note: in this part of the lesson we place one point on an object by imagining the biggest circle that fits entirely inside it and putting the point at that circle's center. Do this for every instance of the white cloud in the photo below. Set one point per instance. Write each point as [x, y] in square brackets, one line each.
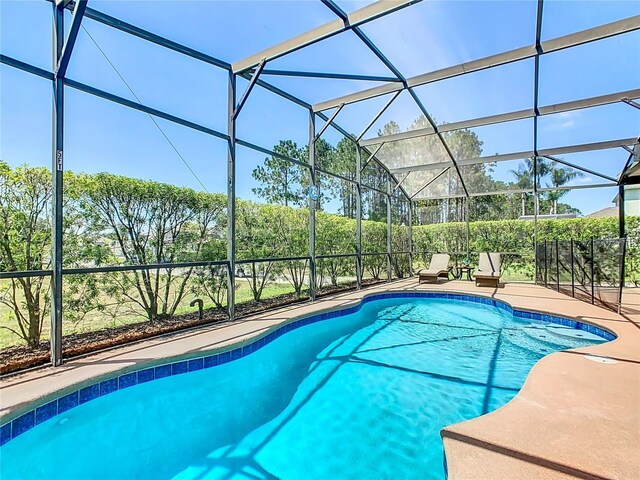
[584, 180]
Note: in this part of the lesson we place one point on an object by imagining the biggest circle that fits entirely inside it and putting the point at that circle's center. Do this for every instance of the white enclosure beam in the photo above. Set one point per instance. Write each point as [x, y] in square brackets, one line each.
[586, 147]
[355, 18]
[579, 38]
[524, 190]
[508, 117]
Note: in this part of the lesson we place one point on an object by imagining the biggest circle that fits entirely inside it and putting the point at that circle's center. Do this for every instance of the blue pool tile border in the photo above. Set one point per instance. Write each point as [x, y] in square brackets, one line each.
[89, 393]
[68, 402]
[71, 400]
[108, 386]
[46, 411]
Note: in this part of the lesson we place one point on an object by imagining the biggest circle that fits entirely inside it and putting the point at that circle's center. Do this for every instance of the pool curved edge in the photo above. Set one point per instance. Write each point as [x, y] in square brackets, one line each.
[563, 422]
[26, 416]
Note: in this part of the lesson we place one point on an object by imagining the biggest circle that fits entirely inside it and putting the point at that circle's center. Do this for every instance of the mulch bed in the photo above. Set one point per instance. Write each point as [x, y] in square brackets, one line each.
[14, 359]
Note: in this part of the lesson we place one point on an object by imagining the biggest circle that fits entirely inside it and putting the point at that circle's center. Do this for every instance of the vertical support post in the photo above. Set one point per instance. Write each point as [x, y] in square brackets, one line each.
[546, 263]
[57, 170]
[312, 206]
[557, 265]
[621, 215]
[593, 283]
[536, 203]
[359, 216]
[466, 213]
[622, 250]
[573, 275]
[536, 114]
[622, 231]
[231, 196]
[410, 202]
[389, 231]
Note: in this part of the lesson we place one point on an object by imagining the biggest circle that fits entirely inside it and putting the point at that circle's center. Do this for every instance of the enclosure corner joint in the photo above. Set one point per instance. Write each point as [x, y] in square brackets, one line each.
[247, 92]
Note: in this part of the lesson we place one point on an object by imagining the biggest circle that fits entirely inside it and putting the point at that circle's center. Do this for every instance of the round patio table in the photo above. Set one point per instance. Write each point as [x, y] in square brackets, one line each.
[462, 269]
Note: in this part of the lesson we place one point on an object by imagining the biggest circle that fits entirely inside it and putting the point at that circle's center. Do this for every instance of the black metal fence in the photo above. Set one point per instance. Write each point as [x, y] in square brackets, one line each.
[590, 270]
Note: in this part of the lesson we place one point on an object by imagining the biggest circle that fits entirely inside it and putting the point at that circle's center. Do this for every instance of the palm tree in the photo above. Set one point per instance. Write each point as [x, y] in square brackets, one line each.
[524, 176]
[560, 176]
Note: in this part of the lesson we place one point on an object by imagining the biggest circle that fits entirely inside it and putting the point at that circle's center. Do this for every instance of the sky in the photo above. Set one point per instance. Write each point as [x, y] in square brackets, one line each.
[103, 136]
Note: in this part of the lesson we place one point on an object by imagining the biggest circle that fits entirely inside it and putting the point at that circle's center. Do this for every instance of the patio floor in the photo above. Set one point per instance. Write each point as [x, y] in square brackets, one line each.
[573, 418]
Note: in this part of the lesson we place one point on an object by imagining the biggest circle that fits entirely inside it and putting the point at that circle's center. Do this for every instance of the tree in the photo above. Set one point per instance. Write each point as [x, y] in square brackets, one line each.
[292, 237]
[465, 144]
[255, 238]
[560, 176]
[334, 235]
[212, 280]
[525, 179]
[557, 176]
[281, 181]
[26, 195]
[428, 149]
[345, 159]
[25, 243]
[325, 159]
[151, 223]
[374, 240]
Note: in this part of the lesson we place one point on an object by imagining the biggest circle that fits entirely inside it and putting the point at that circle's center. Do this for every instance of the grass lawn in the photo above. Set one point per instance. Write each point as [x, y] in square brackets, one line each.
[98, 321]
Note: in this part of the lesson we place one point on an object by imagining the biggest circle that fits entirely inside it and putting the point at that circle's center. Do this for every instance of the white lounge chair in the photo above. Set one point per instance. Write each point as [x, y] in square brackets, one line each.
[439, 266]
[488, 269]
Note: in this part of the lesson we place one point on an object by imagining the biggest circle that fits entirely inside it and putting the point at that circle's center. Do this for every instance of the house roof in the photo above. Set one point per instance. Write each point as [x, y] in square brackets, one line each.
[604, 212]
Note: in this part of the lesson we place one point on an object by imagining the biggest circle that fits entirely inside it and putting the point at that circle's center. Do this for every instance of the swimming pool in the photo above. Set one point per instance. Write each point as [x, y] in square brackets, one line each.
[362, 393]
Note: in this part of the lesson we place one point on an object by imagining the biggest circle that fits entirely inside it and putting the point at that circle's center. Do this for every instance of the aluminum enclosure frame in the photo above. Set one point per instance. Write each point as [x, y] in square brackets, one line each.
[254, 68]
[62, 54]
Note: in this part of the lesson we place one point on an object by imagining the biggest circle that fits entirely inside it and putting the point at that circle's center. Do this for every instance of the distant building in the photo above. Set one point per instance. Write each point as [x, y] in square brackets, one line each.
[632, 187]
[552, 216]
[632, 200]
[607, 211]
[604, 212]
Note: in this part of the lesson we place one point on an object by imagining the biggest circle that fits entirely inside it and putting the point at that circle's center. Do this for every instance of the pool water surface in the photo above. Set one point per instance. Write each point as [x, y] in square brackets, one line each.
[359, 396]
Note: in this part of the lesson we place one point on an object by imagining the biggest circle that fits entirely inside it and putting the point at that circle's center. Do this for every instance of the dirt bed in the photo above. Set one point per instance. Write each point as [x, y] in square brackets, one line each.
[14, 359]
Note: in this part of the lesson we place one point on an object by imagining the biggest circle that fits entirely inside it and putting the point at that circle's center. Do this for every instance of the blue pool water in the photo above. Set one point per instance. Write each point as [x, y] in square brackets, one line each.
[360, 396]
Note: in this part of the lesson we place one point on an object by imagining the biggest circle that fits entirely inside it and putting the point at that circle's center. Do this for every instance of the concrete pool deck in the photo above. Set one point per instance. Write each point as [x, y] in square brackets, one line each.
[577, 415]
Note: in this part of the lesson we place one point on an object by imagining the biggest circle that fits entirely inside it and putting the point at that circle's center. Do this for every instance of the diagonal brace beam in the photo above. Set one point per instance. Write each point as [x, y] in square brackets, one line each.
[628, 101]
[628, 149]
[247, 92]
[627, 164]
[378, 115]
[430, 182]
[582, 169]
[372, 156]
[401, 181]
[327, 124]
[335, 76]
[74, 28]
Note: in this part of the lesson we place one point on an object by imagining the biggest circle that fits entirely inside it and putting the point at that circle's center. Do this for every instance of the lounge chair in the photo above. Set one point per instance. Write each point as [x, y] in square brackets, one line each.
[488, 269]
[439, 266]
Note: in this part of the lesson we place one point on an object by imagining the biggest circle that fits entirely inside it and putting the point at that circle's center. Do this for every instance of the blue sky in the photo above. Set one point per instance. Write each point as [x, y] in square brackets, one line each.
[102, 136]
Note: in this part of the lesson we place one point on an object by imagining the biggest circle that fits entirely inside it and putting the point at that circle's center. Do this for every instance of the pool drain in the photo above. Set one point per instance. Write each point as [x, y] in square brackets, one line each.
[598, 359]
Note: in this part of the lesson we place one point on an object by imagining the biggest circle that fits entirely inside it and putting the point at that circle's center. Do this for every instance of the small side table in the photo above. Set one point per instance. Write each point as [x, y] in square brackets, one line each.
[462, 269]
